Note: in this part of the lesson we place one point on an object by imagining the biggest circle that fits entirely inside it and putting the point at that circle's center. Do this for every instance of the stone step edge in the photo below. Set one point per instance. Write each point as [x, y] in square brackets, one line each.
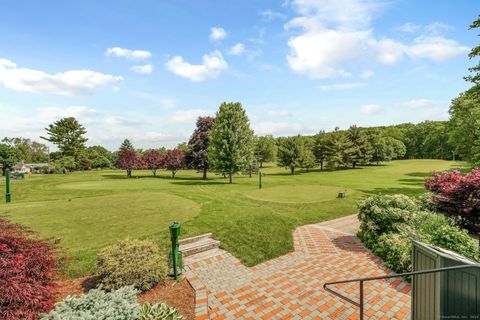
[194, 248]
[195, 238]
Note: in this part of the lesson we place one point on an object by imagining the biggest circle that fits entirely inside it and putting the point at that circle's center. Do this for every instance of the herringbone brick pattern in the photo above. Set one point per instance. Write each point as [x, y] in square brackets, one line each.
[290, 287]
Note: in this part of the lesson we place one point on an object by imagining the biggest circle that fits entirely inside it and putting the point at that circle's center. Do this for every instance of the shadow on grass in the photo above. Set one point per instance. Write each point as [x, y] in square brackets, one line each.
[406, 191]
[420, 174]
[412, 182]
[199, 182]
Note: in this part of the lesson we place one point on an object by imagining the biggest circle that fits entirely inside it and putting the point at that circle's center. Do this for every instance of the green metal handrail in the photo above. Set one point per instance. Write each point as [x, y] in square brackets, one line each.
[360, 304]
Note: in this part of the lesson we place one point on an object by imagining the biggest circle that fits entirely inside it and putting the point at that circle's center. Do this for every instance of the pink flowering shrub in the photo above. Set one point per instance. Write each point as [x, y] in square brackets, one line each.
[457, 196]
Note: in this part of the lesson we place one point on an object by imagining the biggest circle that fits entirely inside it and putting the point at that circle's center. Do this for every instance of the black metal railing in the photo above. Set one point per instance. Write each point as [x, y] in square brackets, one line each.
[360, 304]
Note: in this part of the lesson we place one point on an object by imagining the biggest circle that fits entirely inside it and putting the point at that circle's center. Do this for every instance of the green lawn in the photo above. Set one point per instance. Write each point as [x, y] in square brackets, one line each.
[92, 209]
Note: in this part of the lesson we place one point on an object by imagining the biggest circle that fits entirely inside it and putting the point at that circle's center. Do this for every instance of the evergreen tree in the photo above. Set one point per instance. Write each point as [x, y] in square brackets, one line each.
[339, 150]
[69, 136]
[361, 150]
[231, 140]
[126, 144]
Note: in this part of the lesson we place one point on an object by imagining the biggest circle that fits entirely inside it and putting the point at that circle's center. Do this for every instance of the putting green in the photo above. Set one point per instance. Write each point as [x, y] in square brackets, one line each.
[298, 193]
[93, 222]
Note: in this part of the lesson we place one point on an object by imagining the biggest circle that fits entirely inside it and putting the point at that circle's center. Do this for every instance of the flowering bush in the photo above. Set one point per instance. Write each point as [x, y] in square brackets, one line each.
[27, 266]
[457, 196]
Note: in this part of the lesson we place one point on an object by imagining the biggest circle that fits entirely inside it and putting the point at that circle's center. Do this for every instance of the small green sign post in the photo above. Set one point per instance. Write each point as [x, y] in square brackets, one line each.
[7, 180]
[175, 234]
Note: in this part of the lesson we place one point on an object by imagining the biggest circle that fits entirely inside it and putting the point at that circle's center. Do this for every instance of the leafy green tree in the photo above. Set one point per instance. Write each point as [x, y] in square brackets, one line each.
[308, 160]
[183, 146]
[321, 148]
[65, 164]
[465, 124]
[265, 149]
[474, 53]
[99, 157]
[69, 136]
[8, 157]
[231, 140]
[197, 155]
[291, 152]
[361, 150]
[28, 151]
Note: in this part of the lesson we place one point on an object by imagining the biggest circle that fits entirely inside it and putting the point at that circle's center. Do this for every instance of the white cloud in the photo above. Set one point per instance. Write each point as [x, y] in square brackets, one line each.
[188, 116]
[272, 15]
[416, 103]
[144, 69]
[217, 34]
[409, 27]
[341, 86]
[237, 50]
[129, 54]
[334, 35]
[437, 28]
[278, 113]
[70, 83]
[212, 65]
[370, 108]
[437, 48]
[82, 113]
[277, 128]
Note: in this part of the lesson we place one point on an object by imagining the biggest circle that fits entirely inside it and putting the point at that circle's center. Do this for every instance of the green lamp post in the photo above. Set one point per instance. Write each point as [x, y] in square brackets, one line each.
[175, 258]
[7, 180]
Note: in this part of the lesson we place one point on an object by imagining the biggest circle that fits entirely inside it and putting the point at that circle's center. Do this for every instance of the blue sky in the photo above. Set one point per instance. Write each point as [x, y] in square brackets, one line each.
[145, 70]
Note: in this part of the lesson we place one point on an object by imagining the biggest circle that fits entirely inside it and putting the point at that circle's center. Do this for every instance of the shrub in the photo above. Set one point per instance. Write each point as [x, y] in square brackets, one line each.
[382, 214]
[141, 264]
[396, 250]
[98, 305]
[159, 312]
[440, 231]
[27, 266]
[386, 220]
[457, 196]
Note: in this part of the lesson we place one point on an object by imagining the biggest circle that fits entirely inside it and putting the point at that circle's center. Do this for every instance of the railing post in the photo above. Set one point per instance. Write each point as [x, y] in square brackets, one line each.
[361, 299]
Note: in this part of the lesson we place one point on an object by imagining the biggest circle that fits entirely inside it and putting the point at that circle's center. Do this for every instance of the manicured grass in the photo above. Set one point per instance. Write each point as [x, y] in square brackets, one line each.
[88, 210]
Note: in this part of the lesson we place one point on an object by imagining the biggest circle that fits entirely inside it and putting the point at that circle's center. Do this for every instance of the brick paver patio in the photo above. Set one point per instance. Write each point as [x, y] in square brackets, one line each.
[290, 287]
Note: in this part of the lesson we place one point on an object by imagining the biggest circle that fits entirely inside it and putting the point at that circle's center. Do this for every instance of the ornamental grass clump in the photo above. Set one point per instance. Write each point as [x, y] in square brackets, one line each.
[138, 263]
[159, 311]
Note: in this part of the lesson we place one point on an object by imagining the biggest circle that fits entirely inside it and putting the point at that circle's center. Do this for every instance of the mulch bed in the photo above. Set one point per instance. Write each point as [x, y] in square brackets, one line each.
[176, 294]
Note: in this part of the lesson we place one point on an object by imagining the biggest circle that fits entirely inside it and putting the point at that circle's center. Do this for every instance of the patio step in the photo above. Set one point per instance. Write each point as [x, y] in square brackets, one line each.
[198, 244]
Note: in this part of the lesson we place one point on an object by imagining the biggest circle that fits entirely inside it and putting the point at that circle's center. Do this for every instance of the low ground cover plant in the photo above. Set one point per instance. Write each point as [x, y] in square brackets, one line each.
[120, 304]
[138, 263]
[27, 266]
[389, 221]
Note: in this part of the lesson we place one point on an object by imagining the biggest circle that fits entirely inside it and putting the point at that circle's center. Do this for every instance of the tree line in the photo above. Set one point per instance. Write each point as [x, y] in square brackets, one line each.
[227, 145]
